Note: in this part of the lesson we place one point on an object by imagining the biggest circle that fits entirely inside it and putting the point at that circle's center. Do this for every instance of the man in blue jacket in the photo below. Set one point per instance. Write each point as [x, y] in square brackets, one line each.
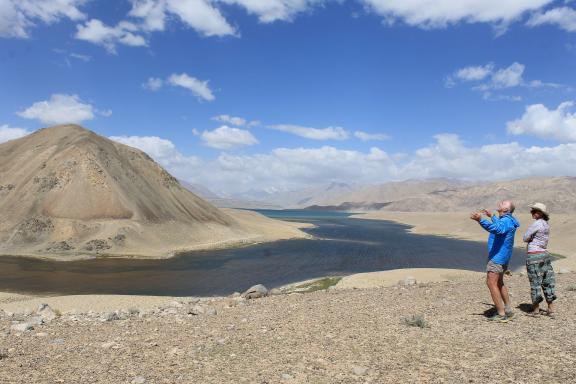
[502, 229]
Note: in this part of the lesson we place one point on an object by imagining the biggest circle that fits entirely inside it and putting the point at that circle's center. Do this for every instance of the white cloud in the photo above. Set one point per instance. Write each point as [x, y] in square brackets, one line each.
[237, 121]
[563, 17]
[201, 15]
[292, 168]
[441, 13]
[508, 77]
[330, 133]
[197, 87]
[79, 56]
[17, 17]
[490, 80]
[365, 136]
[153, 84]
[226, 137]
[539, 121]
[272, 10]
[161, 150]
[61, 109]
[8, 133]
[474, 73]
[96, 32]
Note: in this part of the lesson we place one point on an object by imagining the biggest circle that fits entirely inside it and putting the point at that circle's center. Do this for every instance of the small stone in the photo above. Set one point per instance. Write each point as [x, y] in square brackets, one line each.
[196, 310]
[359, 371]
[256, 292]
[235, 294]
[286, 376]
[41, 334]
[211, 311]
[110, 316]
[275, 292]
[139, 380]
[22, 327]
[563, 271]
[175, 304]
[408, 281]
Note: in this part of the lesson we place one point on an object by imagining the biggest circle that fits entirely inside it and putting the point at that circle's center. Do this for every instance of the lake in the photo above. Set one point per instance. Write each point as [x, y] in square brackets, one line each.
[344, 246]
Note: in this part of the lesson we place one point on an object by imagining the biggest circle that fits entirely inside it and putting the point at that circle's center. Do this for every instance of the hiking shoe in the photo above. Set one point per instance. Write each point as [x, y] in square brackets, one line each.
[499, 319]
[510, 314]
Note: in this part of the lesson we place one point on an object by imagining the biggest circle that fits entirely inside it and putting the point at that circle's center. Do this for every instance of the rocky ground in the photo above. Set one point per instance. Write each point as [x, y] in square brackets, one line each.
[332, 336]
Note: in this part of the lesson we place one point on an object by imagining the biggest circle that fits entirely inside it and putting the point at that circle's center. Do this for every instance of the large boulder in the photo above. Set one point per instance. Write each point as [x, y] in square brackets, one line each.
[256, 292]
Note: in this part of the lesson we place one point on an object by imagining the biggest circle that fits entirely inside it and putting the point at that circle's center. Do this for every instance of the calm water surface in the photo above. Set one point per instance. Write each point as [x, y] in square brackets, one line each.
[345, 246]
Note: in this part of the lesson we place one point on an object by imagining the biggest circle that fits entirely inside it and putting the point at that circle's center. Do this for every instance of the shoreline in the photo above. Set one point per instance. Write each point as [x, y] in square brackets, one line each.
[421, 223]
[457, 225]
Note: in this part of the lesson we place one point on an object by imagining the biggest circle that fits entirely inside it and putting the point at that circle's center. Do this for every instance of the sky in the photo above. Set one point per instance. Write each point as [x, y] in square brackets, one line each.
[274, 95]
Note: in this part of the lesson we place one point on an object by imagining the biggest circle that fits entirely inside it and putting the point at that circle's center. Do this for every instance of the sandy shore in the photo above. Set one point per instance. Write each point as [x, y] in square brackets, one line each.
[458, 225]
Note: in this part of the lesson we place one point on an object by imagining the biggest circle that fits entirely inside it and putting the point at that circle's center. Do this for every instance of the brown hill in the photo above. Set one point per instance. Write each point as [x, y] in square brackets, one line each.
[559, 193]
[66, 190]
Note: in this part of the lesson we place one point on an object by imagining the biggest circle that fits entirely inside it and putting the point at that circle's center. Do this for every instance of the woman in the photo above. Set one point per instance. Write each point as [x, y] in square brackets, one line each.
[538, 262]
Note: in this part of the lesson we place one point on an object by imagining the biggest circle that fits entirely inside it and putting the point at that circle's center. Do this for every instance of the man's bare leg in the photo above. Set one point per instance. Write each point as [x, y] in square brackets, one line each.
[504, 293]
[492, 283]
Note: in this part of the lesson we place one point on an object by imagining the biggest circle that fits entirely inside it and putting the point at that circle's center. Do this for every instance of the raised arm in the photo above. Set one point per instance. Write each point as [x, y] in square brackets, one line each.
[497, 226]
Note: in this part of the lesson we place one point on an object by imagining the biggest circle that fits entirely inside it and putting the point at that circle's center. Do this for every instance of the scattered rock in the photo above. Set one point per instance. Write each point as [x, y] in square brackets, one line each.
[286, 376]
[59, 246]
[22, 327]
[359, 371]
[97, 245]
[175, 304]
[211, 311]
[139, 380]
[110, 316]
[196, 310]
[256, 292]
[563, 271]
[46, 313]
[408, 281]
[275, 292]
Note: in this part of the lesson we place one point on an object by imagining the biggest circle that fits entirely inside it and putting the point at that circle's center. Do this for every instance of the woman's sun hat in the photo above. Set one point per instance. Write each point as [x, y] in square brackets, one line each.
[540, 207]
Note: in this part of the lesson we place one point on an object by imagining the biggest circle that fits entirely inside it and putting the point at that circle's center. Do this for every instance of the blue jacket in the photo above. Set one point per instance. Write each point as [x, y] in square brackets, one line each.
[501, 239]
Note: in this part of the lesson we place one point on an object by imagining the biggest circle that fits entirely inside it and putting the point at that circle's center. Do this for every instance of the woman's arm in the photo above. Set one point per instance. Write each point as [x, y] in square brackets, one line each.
[531, 231]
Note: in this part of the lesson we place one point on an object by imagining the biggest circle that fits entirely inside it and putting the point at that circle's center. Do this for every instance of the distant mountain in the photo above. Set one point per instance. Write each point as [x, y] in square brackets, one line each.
[447, 195]
[224, 202]
[305, 197]
[559, 193]
[199, 190]
[373, 195]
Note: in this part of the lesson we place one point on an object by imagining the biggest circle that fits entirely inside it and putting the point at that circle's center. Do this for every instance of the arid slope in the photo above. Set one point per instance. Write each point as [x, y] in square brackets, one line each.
[67, 191]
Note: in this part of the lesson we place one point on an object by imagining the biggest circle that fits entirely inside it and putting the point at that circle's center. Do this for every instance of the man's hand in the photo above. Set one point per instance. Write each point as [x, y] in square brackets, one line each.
[476, 216]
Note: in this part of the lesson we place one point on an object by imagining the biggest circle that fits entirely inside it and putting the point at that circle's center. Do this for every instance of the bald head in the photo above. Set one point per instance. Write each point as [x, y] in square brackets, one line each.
[507, 206]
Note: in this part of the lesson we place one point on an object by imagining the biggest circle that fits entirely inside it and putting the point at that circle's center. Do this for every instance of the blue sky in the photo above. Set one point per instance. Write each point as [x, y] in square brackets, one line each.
[281, 94]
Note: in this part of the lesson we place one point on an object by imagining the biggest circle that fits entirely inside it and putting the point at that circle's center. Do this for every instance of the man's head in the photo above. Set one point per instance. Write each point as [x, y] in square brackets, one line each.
[506, 206]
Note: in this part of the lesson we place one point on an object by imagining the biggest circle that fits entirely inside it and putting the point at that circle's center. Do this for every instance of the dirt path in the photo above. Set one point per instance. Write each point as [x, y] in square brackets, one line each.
[335, 336]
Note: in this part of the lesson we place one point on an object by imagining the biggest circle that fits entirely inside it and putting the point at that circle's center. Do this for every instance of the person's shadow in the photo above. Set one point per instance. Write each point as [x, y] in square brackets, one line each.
[525, 307]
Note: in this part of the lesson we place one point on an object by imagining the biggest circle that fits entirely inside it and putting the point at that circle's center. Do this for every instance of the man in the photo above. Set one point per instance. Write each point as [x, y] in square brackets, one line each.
[502, 229]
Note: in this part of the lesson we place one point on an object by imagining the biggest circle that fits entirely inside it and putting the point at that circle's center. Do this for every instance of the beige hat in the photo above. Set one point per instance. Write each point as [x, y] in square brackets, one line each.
[540, 207]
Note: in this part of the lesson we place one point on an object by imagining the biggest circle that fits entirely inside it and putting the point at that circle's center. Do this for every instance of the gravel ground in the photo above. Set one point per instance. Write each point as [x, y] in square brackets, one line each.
[349, 336]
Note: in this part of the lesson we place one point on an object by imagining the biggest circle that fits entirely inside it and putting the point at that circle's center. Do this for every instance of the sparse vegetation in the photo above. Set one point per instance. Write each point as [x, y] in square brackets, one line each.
[57, 312]
[416, 321]
[317, 285]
